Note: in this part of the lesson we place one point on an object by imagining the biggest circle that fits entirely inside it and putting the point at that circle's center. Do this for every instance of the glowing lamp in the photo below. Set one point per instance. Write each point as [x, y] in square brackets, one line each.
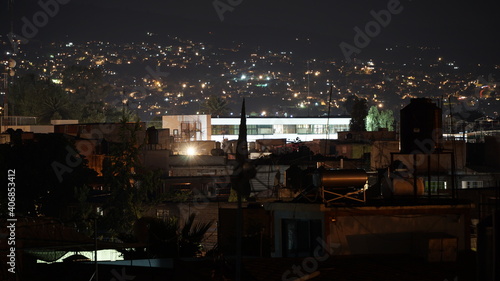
[191, 151]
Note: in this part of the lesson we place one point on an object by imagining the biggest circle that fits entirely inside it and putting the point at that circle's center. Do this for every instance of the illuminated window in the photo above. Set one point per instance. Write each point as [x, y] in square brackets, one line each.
[264, 129]
[319, 129]
[436, 186]
[225, 129]
[303, 129]
[289, 129]
[472, 184]
[162, 214]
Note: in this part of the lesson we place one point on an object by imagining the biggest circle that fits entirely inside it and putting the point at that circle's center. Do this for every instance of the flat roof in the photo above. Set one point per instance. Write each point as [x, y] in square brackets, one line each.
[283, 121]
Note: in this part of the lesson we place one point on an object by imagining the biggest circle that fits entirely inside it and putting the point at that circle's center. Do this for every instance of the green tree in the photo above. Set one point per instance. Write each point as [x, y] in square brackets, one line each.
[376, 119]
[373, 119]
[215, 106]
[358, 115]
[387, 120]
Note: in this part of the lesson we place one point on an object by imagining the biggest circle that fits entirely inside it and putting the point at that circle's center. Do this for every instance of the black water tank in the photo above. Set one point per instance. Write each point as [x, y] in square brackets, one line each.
[421, 126]
[152, 133]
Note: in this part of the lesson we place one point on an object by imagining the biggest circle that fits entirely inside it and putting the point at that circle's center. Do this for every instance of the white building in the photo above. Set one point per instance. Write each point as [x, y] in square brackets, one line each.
[203, 127]
[188, 127]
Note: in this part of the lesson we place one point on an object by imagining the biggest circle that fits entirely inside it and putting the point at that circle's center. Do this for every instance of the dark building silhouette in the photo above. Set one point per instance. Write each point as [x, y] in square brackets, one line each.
[421, 127]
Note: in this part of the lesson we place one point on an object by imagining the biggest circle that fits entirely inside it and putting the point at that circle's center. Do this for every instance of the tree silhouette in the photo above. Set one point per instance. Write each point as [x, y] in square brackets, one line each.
[120, 178]
[133, 190]
[166, 239]
[24, 95]
[349, 103]
[358, 115]
[55, 104]
[215, 106]
[31, 96]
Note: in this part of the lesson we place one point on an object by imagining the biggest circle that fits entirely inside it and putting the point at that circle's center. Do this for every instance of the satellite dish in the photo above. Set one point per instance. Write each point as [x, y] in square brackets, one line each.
[12, 63]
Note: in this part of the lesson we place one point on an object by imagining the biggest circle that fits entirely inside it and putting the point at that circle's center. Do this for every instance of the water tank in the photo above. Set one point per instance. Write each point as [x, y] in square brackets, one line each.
[406, 187]
[421, 125]
[152, 133]
[335, 179]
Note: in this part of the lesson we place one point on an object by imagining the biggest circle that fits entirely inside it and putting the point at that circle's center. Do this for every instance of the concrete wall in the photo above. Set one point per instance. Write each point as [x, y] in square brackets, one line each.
[282, 211]
[395, 230]
[155, 159]
[352, 150]
[441, 162]
[380, 156]
[365, 230]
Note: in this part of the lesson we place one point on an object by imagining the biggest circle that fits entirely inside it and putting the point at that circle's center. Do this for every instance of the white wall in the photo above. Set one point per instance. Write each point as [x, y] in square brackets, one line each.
[281, 121]
[173, 122]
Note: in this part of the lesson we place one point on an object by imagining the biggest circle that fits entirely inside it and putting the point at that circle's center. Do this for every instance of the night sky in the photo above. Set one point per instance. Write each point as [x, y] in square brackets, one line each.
[467, 31]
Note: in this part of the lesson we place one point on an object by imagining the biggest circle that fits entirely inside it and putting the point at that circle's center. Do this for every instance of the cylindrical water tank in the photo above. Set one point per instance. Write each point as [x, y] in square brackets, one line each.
[406, 187]
[343, 178]
[421, 125]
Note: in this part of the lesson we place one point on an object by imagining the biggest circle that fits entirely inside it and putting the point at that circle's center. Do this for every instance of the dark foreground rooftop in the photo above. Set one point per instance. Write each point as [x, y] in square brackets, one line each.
[348, 268]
